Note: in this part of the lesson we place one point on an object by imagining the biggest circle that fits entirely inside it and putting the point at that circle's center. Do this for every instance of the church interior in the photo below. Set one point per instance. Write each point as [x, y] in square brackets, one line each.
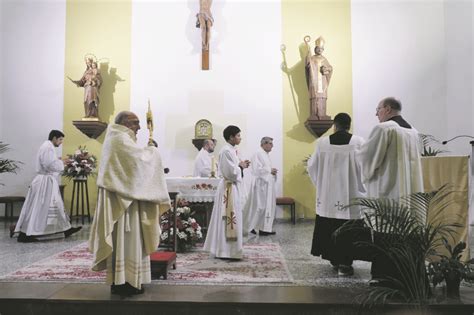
[249, 70]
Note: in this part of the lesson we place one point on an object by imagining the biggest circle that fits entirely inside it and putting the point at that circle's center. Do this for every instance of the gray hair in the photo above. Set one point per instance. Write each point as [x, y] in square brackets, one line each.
[393, 103]
[266, 140]
[122, 117]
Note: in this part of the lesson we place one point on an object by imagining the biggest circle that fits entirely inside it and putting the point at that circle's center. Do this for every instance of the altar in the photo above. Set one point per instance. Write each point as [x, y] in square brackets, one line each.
[452, 171]
[199, 192]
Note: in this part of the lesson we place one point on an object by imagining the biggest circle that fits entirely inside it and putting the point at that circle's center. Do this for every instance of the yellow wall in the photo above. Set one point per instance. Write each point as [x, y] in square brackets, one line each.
[102, 28]
[332, 20]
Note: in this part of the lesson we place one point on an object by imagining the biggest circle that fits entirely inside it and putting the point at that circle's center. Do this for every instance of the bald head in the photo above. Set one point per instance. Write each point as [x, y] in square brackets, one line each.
[129, 120]
[208, 145]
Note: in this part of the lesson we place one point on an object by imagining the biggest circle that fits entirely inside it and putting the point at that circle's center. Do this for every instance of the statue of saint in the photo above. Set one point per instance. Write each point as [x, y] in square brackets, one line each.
[205, 21]
[91, 81]
[318, 75]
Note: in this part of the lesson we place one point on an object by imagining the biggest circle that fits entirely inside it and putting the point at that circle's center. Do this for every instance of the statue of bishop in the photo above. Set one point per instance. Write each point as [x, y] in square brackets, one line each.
[318, 76]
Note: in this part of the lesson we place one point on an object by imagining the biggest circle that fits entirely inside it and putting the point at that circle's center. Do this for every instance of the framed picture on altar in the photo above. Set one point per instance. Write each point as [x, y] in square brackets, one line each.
[203, 129]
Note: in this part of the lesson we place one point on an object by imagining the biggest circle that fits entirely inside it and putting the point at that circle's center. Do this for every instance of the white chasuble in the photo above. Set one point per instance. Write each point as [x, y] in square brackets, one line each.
[43, 211]
[218, 242]
[391, 164]
[259, 210]
[336, 173]
[132, 194]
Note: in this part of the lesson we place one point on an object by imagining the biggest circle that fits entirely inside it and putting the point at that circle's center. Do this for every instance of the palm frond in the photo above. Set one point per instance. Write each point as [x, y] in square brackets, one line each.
[7, 165]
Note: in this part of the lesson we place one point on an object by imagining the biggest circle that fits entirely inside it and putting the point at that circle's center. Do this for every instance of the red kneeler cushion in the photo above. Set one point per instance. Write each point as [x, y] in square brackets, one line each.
[160, 261]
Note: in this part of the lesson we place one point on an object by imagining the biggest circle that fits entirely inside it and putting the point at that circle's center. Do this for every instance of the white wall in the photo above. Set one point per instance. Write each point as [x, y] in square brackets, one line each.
[242, 88]
[398, 50]
[428, 65]
[32, 67]
[459, 62]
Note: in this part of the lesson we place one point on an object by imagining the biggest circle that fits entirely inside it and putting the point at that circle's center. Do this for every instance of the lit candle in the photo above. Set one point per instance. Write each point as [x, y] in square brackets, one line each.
[213, 166]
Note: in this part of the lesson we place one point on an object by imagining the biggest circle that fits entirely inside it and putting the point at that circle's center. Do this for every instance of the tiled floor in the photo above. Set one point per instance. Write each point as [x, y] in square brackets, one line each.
[295, 242]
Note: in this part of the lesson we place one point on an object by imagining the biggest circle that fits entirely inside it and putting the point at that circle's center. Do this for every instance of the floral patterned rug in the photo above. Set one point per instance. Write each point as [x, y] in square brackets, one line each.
[262, 264]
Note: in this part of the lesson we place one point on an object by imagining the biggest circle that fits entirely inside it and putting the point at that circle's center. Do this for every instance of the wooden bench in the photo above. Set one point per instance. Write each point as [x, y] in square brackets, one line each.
[160, 263]
[10, 200]
[288, 201]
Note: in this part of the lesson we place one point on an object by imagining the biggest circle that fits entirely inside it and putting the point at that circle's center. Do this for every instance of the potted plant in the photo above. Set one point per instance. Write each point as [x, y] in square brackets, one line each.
[7, 165]
[451, 269]
[400, 232]
[428, 150]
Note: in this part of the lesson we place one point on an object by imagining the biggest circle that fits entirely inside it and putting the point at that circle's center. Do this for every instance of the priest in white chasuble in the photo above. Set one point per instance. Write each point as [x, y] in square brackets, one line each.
[259, 210]
[391, 157]
[204, 160]
[224, 235]
[335, 171]
[43, 211]
[132, 194]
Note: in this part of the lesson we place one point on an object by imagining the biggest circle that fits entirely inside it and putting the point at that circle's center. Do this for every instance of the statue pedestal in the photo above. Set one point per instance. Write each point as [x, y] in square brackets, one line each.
[318, 126]
[91, 128]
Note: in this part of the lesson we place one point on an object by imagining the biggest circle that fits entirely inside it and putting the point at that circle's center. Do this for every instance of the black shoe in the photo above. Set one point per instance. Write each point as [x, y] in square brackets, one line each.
[253, 232]
[12, 230]
[266, 233]
[125, 289]
[345, 271]
[72, 231]
[23, 238]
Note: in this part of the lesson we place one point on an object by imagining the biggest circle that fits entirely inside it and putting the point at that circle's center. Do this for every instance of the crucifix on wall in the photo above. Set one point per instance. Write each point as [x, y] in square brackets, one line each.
[205, 22]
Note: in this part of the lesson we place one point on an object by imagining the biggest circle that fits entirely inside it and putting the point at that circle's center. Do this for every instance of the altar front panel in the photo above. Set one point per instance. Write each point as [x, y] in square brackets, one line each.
[454, 171]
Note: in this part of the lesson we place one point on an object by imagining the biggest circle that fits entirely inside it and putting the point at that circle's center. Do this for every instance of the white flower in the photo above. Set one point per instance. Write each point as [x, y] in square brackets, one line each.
[182, 235]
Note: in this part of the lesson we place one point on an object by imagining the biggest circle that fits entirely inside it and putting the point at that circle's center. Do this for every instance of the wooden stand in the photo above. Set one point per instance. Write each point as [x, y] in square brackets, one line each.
[80, 188]
[318, 126]
[91, 128]
[172, 242]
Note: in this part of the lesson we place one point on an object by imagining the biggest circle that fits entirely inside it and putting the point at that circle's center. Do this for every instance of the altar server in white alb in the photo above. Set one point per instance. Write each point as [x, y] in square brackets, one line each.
[132, 194]
[224, 236]
[391, 159]
[43, 211]
[336, 174]
[204, 159]
[259, 210]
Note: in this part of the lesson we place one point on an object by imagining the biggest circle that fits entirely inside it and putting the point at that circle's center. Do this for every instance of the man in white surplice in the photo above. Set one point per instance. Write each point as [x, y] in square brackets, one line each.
[335, 172]
[224, 236]
[391, 165]
[204, 159]
[132, 194]
[43, 211]
[391, 159]
[259, 210]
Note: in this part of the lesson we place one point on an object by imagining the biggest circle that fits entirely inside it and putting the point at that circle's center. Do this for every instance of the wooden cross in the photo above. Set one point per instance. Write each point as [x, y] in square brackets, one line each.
[205, 59]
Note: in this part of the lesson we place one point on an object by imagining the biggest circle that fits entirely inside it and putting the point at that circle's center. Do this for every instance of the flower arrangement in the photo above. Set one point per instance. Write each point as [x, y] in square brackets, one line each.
[188, 230]
[80, 164]
[204, 186]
